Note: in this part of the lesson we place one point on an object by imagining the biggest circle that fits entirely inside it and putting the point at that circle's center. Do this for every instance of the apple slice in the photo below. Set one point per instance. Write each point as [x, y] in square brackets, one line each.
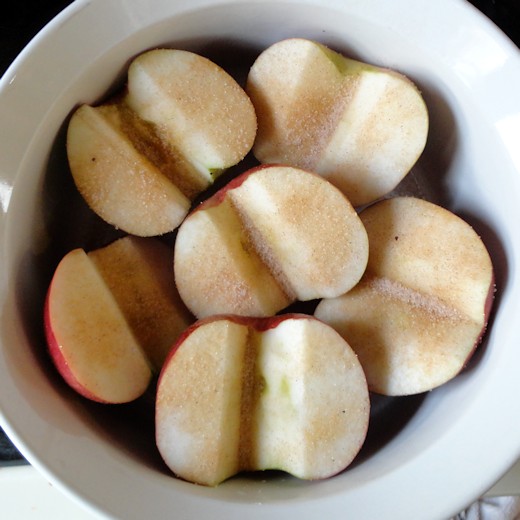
[362, 127]
[118, 182]
[423, 304]
[89, 339]
[283, 392]
[272, 236]
[111, 317]
[138, 272]
[140, 159]
[196, 105]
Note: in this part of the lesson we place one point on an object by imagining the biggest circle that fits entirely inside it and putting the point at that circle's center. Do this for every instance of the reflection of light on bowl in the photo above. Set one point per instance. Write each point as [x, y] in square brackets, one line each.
[476, 60]
[442, 449]
[508, 129]
[5, 195]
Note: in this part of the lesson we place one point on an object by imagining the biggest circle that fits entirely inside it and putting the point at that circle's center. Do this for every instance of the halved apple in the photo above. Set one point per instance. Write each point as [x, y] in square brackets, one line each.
[360, 126]
[272, 236]
[117, 180]
[195, 105]
[111, 317]
[422, 306]
[284, 393]
[140, 159]
[138, 273]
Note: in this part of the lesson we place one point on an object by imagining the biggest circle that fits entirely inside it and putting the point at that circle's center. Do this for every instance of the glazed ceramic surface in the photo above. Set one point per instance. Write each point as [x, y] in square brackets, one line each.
[430, 454]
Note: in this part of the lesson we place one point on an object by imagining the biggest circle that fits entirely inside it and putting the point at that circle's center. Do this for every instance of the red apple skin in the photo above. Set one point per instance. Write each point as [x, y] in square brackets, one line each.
[488, 308]
[260, 324]
[111, 315]
[60, 361]
[234, 183]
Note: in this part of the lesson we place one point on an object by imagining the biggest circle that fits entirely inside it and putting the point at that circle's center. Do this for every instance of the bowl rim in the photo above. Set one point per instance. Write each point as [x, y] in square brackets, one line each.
[16, 76]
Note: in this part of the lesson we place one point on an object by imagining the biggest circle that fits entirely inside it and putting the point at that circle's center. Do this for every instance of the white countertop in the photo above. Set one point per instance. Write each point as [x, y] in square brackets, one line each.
[26, 495]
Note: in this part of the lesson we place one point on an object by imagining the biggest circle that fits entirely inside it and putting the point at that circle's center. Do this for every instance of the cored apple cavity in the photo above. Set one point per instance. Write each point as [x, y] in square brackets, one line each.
[247, 394]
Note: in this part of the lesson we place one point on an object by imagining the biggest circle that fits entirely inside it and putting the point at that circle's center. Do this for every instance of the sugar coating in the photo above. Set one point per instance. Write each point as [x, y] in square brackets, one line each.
[138, 272]
[361, 127]
[94, 347]
[272, 399]
[423, 303]
[282, 234]
[195, 103]
[120, 184]
[305, 231]
[407, 343]
[217, 268]
[431, 250]
[434, 307]
[140, 159]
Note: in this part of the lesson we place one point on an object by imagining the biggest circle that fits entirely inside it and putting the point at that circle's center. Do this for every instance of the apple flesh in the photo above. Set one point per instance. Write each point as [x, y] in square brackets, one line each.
[118, 182]
[138, 273]
[246, 394]
[111, 317]
[361, 127]
[141, 158]
[272, 236]
[89, 339]
[196, 105]
[423, 303]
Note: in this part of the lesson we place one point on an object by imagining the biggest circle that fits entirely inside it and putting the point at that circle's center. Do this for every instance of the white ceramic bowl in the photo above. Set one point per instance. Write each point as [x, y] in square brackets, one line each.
[427, 456]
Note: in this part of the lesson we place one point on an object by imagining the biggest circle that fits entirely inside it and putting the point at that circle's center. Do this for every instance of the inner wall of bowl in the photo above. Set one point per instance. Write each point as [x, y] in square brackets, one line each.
[228, 34]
